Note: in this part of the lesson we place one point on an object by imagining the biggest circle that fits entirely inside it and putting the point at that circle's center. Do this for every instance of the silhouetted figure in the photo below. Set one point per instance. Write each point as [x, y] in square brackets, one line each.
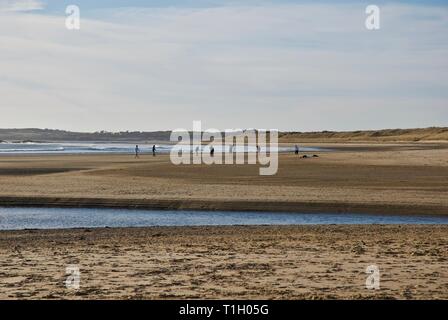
[154, 150]
[258, 148]
[137, 151]
[197, 150]
[212, 151]
[296, 149]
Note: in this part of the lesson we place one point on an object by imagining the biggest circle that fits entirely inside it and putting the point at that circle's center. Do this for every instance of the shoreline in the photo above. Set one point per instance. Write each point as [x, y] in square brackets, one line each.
[225, 205]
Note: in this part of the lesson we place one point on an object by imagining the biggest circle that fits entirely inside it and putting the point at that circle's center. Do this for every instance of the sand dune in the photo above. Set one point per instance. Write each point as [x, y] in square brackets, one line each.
[372, 136]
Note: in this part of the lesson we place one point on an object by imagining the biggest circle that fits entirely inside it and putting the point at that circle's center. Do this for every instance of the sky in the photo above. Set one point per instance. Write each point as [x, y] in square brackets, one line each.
[284, 64]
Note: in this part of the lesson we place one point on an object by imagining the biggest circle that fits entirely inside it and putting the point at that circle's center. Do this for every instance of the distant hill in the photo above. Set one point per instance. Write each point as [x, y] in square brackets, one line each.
[50, 135]
[387, 135]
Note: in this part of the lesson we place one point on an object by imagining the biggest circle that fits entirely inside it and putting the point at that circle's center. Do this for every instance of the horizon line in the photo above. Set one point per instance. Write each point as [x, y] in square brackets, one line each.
[279, 130]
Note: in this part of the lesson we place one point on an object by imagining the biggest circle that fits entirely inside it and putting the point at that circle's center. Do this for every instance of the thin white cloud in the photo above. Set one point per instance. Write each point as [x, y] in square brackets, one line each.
[302, 67]
[21, 5]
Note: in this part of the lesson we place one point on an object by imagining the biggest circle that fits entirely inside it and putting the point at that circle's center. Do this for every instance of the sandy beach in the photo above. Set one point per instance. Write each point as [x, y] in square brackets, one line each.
[224, 150]
[257, 262]
[389, 179]
[291, 262]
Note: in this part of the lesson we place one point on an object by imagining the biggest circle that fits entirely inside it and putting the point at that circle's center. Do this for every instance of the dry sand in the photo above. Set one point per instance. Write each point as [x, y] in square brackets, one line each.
[406, 179]
[300, 262]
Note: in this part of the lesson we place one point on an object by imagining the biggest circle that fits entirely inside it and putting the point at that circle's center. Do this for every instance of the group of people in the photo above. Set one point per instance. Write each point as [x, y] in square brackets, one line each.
[297, 150]
[212, 150]
[137, 151]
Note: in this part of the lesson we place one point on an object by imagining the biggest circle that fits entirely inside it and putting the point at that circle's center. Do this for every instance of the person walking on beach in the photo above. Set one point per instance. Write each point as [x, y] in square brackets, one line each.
[137, 151]
[212, 151]
[296, 149]
[197, 150]
[154, 150]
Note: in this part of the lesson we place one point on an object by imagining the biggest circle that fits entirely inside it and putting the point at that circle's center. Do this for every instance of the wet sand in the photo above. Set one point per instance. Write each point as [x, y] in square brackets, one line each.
[389, 179]
[289, 262]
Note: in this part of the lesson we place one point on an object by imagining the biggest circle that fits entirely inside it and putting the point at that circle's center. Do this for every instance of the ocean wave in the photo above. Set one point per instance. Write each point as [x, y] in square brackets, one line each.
[31, 150]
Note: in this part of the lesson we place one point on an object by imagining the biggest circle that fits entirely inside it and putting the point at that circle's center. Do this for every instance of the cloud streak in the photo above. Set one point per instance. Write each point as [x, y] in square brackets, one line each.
[21, 5]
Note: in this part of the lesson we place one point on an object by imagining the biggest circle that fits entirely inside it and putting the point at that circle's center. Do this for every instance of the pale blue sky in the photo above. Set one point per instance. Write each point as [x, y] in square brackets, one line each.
[288, 65]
